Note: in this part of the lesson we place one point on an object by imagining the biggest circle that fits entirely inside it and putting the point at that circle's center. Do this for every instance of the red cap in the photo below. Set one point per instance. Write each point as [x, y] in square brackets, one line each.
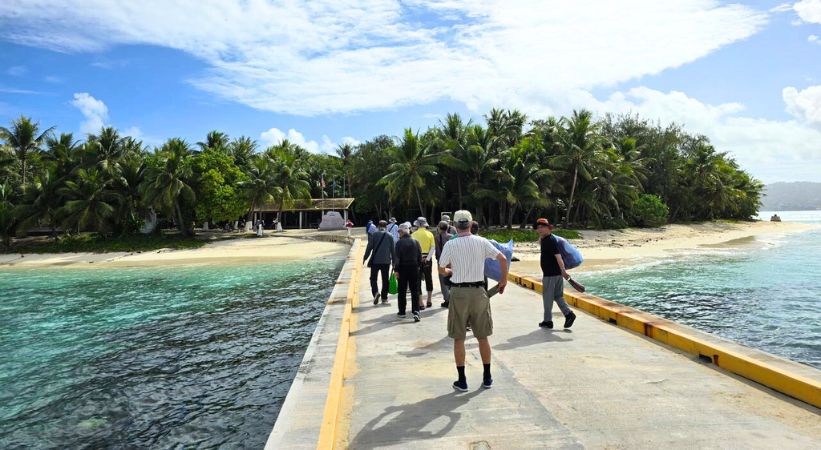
[542, 221]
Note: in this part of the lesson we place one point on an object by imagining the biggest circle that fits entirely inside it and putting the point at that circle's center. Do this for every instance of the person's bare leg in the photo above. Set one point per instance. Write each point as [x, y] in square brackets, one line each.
[459, 352]
[484, 350]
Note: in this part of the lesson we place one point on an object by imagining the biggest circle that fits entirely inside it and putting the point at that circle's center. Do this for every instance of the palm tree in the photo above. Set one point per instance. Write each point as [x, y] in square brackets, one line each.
[63, 151]
[168, 185]
[22, 137]
[215, 139]
[580, 142]
[107, 148]
[42, 200]
[261, 185]
[8, 217]
[454, 134]
[91, 201]
[345, 153]
[291, 179]
[242, 149]
[413, 163]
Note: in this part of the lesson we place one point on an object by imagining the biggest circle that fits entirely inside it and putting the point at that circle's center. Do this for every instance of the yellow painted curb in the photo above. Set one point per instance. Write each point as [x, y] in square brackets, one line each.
[776, 373]
[330, 416]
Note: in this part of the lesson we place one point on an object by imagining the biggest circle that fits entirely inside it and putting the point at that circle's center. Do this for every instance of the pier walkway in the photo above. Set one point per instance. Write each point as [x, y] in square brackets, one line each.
[594, 386]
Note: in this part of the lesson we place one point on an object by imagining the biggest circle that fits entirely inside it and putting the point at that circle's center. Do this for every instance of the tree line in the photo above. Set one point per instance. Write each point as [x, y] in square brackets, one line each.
[577, 170]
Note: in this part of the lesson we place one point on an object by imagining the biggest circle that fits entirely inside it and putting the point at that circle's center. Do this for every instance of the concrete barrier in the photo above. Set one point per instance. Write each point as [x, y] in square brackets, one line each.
[308, 414]
[796, 380]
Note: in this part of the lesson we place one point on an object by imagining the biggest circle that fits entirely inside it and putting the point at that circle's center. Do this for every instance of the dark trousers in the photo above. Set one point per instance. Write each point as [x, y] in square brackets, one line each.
[375, 270]
[408, 278]
[426, 273]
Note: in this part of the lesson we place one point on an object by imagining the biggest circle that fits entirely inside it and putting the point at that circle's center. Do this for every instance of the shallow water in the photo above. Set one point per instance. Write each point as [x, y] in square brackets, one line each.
[763, 292]
[197, 356]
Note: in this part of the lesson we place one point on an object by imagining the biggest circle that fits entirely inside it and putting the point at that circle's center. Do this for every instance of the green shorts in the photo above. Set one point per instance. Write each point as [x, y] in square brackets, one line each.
[469, 305]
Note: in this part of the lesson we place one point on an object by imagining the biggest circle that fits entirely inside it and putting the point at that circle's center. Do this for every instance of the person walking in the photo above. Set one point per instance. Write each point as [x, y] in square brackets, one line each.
[382, 251]
[406, 262]
[428, 247]
[393, 229]
[553, 275]
[463, 259]
[441, 237]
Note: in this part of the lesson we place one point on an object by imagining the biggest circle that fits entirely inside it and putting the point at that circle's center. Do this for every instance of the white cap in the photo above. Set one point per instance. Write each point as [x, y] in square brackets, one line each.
[462, 215]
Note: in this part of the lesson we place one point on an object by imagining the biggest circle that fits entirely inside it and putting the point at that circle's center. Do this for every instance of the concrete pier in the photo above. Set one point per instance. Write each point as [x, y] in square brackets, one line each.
[594, 386]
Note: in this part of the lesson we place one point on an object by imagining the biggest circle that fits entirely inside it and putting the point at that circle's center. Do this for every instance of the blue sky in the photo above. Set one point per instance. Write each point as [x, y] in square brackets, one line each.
[748, 75]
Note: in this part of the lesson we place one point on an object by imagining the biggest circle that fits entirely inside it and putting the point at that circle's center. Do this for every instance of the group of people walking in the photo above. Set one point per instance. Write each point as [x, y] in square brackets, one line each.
[460, 257]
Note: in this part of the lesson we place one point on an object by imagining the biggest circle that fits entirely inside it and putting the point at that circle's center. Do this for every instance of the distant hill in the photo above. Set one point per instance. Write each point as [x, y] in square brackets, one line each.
[798, 196]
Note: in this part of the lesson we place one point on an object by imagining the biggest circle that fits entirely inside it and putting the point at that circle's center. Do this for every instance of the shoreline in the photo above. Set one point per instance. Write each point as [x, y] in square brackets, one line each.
[602, 249]
[614, 249]
[231, 251]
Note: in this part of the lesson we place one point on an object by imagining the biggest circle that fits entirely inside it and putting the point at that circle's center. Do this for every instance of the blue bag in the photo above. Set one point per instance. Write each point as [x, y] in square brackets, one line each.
[493, 269]
[571, 256]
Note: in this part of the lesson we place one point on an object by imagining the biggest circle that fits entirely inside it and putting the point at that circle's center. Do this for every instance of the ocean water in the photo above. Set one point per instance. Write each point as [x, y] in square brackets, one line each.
[187, 357]
[763, 292]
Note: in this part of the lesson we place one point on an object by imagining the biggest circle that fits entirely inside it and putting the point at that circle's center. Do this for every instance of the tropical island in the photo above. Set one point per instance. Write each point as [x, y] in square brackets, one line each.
[94, 194]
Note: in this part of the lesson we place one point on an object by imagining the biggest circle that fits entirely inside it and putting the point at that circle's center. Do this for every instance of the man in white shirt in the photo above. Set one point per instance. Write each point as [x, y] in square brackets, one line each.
[463, 260]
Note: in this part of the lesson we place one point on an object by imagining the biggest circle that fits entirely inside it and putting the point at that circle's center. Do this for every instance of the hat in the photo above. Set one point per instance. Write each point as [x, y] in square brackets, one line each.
[446, 217]
[393, 219]
[383, 223]
[404, 226]
[422, 222]
[462, 215]
[542, 221]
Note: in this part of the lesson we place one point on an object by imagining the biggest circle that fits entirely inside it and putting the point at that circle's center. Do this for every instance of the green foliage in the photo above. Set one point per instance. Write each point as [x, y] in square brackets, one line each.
[526, 235]
[577, 170]
[92, 243]
[216, 181]
[650, 211]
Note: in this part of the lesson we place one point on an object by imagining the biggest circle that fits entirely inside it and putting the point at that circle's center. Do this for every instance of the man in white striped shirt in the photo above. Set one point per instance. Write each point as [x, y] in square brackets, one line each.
[463, 260]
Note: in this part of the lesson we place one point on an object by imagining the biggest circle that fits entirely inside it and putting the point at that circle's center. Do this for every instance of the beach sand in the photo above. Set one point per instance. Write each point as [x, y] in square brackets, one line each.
[231, 251]
[601, 249]
[611, 249]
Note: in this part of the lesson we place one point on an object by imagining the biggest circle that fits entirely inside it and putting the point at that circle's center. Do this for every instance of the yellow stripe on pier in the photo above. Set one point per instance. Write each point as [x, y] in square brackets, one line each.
[776, 373]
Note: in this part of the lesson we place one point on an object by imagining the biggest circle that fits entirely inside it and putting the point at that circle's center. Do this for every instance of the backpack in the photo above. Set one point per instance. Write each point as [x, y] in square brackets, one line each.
[571, 256]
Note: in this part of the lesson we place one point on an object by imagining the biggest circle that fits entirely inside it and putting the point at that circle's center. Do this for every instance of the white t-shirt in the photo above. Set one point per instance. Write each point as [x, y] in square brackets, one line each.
[466, 256]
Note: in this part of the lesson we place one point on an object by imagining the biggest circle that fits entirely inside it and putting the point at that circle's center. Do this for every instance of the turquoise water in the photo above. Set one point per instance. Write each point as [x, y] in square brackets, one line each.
[763, 292]
[196, 356]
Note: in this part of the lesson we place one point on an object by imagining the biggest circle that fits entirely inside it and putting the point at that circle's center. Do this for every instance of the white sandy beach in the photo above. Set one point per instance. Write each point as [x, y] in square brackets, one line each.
[226, 251]
[601, 249]
[618, 248]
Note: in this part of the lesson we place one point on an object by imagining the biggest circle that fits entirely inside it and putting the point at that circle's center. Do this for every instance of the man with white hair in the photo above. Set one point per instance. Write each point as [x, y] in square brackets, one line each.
[407, 259]
[463, 259]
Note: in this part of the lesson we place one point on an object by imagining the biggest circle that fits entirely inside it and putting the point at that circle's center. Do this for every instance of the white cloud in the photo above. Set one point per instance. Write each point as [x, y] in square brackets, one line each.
[328, 56]
[275, 136]
[94, 111]
[806, 104]
[814, 39]
[17, 71]
[769, 149]
[808, 10]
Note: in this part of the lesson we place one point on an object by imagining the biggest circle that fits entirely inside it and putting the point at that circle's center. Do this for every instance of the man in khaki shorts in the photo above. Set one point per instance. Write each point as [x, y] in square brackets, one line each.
[463, 260]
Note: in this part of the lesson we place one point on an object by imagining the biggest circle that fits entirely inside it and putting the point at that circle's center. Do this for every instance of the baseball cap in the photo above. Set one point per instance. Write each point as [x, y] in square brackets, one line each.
[542, 221]
[462, 215]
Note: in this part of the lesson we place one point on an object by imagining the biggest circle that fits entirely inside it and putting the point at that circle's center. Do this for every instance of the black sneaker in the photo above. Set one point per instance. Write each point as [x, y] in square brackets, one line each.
[421, 307]
[376, 299]
[384, 301]
[416, 317]
[487, 383]
[401, 314]
[569, 319]
[546, 324]
[445, 304]
[461, 386]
